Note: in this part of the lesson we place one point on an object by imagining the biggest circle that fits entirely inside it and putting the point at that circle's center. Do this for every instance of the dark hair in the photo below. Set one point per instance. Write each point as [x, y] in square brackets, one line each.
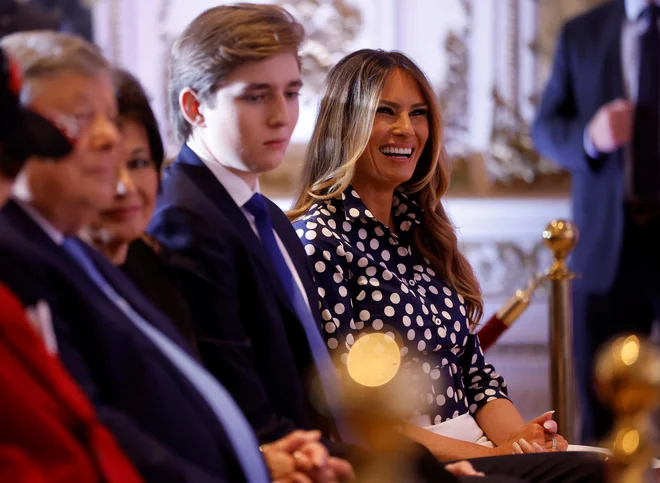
[218, 41]
[133, 104]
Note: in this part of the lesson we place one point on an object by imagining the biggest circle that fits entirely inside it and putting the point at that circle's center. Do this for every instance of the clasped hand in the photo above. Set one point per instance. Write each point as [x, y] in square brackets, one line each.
[538, 436]
[299, 457]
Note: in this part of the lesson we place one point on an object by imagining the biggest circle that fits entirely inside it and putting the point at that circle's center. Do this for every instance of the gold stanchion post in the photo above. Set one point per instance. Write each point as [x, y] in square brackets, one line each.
[560, 237]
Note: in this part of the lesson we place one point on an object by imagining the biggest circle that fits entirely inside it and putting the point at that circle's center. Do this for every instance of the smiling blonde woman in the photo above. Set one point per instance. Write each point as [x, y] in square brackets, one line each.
[386, 260]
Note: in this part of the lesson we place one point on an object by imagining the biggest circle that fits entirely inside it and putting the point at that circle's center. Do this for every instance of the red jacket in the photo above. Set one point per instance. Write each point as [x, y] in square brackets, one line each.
[48, 428]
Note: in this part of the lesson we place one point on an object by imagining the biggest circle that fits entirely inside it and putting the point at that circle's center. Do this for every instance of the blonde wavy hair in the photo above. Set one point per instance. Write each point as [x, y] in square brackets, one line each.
[343, 128]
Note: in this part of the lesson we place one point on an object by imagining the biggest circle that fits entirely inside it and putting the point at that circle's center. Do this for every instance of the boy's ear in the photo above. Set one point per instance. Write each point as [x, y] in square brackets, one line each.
[190, 107]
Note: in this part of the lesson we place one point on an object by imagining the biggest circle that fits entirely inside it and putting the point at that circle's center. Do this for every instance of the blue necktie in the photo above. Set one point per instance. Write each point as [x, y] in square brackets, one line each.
[236, 427]
[646, 150]
[324, 367]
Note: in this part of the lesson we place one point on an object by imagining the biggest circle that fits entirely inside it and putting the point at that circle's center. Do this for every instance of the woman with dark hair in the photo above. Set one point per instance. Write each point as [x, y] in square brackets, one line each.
[119, 230]
[386, 260]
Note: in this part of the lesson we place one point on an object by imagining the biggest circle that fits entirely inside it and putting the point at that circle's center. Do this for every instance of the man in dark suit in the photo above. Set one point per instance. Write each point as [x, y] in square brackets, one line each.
[170, 416]
[43, 409]
[599, 118]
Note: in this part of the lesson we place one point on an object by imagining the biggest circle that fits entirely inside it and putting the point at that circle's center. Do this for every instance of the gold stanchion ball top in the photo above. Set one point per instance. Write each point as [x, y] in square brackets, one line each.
[560, 236]
[628, 375]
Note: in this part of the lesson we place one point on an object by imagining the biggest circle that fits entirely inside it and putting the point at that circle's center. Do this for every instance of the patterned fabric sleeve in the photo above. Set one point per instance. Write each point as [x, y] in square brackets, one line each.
[329, 261]
[482, 383]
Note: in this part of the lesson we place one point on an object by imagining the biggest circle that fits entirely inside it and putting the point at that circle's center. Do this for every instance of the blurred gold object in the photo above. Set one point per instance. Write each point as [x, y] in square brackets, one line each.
[628, 380]
[373, 360]
[517, 304]
[379, 397]
[561, 236]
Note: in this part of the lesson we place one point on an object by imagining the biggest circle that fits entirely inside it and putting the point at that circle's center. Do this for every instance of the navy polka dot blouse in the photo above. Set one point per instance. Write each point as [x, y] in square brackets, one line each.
[372, 279]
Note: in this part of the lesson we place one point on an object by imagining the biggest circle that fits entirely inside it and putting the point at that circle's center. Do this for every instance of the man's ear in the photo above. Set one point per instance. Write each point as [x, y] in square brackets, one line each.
[190, 107]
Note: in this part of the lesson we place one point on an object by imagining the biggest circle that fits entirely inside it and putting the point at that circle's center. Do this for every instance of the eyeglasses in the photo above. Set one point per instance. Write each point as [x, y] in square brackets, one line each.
[67, 124]
[71, 126]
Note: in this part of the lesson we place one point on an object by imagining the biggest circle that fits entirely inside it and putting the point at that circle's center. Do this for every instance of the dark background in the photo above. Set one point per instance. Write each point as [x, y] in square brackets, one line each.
[65, 15]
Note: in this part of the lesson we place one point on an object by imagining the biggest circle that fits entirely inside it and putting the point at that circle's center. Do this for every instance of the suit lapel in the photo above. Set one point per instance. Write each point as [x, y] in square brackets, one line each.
[295, 250]
[29, 229]
[612, 68]
[26, 225]
[133, 295]
[204, 183]
[611, 74]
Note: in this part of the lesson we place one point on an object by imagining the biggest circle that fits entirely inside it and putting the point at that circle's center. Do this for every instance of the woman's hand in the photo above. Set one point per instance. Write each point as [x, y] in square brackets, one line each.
[537, 436]
[463, 468]
[555, 441]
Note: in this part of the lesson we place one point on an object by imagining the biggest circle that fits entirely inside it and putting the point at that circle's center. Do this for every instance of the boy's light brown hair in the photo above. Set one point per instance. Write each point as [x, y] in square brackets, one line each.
[220, 40]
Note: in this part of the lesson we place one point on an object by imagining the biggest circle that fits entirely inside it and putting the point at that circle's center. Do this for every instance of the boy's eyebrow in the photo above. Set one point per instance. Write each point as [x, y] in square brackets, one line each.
[256, 87]
[264, 86]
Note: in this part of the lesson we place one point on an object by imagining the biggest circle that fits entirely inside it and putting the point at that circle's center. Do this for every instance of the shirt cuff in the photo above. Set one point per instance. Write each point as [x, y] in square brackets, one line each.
[589, 147]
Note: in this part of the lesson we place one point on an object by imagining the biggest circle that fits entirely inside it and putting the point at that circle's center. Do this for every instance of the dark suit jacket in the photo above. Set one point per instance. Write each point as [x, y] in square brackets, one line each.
[157, 417]
[586, 75]
[48, 428]
[247, 331]
[146, 266]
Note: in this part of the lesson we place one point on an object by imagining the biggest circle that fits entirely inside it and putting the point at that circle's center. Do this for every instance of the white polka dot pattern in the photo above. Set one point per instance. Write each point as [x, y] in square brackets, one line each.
[372, 279]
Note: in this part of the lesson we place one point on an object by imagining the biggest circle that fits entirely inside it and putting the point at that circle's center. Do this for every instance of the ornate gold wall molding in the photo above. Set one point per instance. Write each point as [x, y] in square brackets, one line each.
[454, 94]
[511, 158]
[331, 27]
[511, 154]
[504, 266]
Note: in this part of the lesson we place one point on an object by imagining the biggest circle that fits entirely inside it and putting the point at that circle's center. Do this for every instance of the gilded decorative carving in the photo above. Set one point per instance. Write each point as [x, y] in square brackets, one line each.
[331, 27]
[454, 93]
[503, 267]
[512, 155]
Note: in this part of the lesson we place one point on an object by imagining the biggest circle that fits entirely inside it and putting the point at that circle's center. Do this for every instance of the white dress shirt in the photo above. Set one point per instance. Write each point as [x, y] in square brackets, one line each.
[633, 27]
[241, 193]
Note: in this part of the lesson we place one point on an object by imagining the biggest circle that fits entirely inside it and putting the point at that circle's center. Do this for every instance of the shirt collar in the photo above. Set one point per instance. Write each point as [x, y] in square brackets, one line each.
[354, 208]
[634, 8]
[407, 213]
[238, 189]
[56, 235]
